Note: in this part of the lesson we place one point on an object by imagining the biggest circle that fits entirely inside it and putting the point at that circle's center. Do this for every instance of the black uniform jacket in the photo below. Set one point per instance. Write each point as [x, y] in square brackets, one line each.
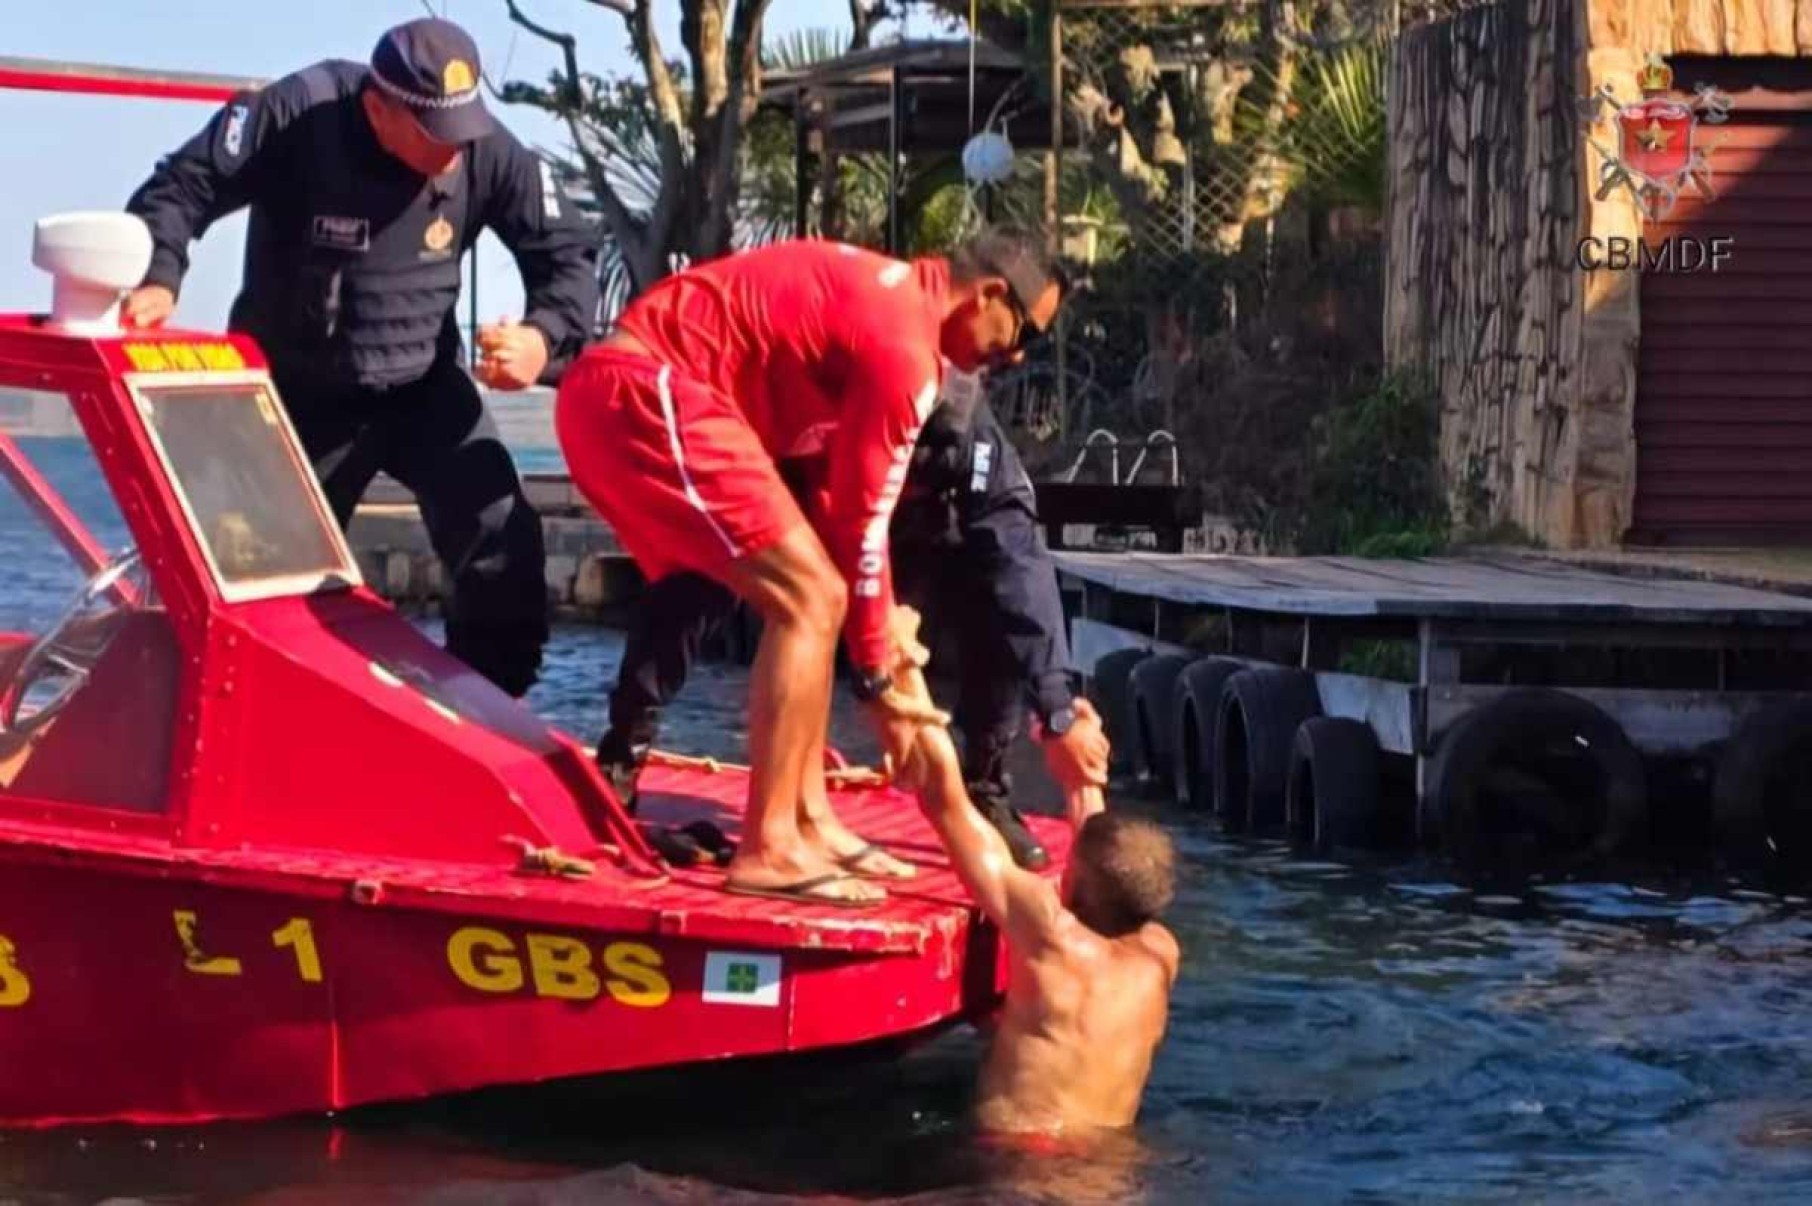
[969, 507]
[351, 259]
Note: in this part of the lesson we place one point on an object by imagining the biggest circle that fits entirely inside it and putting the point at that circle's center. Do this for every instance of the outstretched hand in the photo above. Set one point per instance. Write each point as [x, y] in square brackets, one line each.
[1079, 758]
[903, 711]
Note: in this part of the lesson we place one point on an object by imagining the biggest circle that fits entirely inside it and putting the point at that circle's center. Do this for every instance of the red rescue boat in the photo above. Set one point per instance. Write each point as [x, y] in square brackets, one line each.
[265, 848]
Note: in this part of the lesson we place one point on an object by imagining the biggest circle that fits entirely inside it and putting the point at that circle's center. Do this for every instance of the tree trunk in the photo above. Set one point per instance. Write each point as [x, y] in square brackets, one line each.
[726, 66]
[862, 15]
[1256, 197]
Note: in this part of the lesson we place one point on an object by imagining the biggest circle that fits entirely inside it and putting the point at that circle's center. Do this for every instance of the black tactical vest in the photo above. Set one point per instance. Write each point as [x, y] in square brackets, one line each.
[352, 269]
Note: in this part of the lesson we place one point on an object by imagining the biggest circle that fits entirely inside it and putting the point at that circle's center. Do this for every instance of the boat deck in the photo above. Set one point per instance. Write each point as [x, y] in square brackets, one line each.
[931, 908]
[889, 818]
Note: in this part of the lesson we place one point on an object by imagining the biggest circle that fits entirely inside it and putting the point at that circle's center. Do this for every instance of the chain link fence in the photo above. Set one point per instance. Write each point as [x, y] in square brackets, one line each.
[1193, 113]
[1200, 134]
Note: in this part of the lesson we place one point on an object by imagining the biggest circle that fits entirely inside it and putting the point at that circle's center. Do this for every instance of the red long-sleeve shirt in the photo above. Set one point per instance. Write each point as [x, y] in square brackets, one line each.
[827, 349]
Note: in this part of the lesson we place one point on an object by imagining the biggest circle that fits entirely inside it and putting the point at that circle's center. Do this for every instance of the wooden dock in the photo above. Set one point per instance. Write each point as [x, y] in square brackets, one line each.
[1414, 651]
[1509, 589]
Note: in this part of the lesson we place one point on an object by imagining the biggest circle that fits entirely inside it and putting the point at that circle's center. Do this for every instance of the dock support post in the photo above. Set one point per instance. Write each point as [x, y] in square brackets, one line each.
[1436, 665]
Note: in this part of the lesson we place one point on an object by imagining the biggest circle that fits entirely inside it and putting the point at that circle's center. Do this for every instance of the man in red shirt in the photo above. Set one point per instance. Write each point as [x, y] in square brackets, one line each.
[673, 429]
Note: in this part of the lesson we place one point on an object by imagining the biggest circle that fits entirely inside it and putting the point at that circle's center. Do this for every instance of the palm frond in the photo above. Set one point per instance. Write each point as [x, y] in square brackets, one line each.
[803, 48]
[1332, 146]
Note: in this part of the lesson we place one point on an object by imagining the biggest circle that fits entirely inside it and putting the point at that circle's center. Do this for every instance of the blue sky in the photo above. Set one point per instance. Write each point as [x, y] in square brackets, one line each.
[63, 152]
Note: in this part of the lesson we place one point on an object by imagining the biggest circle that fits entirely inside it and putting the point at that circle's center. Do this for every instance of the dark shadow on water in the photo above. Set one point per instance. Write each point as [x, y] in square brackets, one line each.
[870, 1124]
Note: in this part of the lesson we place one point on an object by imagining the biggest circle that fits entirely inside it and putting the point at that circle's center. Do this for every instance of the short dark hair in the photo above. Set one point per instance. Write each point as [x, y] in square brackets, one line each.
[1126, 873]
[1016, 256]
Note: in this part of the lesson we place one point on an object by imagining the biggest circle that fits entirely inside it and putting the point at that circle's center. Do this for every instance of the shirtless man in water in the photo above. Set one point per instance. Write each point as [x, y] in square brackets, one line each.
[1091, 968]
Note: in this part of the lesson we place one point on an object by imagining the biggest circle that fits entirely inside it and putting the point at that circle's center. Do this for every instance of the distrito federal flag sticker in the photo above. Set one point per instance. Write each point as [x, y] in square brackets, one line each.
[735, 978]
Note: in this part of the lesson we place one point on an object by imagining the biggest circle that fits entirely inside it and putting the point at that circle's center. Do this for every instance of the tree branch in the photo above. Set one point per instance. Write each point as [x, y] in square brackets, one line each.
[1003, 30]
[861, 21]
[616, 214]
[669, 127]
[744, 59]
[702, 30]
[562, 40]
[743, 96]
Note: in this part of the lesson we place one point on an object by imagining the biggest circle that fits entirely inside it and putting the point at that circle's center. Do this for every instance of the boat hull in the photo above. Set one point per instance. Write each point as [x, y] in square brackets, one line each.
[143, 982]
[146, 998]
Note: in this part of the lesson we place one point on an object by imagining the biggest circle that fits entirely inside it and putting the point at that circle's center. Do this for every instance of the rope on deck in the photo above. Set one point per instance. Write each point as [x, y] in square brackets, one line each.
[844, 776]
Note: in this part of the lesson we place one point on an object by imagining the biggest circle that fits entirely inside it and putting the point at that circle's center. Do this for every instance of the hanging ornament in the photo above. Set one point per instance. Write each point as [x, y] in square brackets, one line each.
[988, 158]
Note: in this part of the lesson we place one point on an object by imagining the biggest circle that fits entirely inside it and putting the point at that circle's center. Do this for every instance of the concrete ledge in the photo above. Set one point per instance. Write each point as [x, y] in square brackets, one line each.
[552, 494]
[588, 573]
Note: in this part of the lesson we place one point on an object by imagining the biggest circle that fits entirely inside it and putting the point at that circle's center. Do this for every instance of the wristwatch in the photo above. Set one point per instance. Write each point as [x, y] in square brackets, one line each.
[1059, 722]
[870, 685]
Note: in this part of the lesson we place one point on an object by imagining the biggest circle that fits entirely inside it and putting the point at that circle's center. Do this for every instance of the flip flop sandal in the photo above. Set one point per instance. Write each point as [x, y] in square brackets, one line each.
[712, 841]
[677, 847]
[803, 892]
[852, 863]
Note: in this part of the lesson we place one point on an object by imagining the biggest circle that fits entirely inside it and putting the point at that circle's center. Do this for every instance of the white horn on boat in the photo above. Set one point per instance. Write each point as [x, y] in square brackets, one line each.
[93, 258]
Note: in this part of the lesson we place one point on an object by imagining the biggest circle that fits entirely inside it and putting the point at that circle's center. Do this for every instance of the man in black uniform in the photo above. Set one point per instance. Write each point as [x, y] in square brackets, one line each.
[366, 184]
[967, 554]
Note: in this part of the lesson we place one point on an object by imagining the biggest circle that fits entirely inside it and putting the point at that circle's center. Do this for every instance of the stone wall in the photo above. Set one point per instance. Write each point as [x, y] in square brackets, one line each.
[1534, 358]
[1487, 208]
[1734, 27]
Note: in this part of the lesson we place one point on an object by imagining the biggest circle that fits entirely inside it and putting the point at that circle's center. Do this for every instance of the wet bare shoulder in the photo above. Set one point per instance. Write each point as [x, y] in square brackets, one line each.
[1162, 945]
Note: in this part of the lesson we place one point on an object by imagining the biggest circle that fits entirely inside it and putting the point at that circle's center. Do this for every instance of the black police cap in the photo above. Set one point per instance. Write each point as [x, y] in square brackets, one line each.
[431, 66]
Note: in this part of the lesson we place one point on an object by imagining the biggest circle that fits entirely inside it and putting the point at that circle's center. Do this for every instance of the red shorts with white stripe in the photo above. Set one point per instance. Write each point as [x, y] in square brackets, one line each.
[671, 464]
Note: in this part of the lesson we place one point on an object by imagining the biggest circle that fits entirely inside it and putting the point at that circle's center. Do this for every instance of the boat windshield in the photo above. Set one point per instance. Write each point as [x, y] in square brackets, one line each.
[250, 497]
[89, 659]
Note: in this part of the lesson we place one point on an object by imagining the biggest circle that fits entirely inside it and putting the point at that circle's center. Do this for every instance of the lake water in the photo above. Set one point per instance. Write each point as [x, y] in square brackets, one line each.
[1367, 1032]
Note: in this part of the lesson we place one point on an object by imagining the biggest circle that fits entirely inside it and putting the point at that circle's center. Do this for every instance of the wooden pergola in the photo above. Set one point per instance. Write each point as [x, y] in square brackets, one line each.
[909, 99]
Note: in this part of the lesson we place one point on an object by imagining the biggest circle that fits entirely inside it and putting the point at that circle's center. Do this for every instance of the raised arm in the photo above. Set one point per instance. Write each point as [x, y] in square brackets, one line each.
[1023, 904]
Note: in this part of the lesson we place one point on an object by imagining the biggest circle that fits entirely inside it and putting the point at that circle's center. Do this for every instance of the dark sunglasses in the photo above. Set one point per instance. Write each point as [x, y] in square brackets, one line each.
[1026, 334]
[1022, 331]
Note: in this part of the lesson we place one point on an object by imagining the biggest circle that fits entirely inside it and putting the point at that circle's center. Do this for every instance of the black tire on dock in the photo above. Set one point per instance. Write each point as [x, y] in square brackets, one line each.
[1112, 693]
[1535, 772]
[1331, 796]
[1761, 798]
[1196, 706]
[1255, 728]
[1153, 681]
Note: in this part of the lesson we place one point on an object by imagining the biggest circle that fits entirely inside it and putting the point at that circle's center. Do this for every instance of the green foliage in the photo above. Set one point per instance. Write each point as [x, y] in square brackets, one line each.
[616, 123]
[1335, 137]
[941, 220]
[1331, 146]
[1504, 532]
[767, 196]
[1373, 484]
[1422, 541]
[617, 130]
[1394, 660]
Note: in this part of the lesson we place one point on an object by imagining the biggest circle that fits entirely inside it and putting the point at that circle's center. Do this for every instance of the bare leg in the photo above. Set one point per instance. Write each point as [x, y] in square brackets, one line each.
[802, 600]
[825, 832]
